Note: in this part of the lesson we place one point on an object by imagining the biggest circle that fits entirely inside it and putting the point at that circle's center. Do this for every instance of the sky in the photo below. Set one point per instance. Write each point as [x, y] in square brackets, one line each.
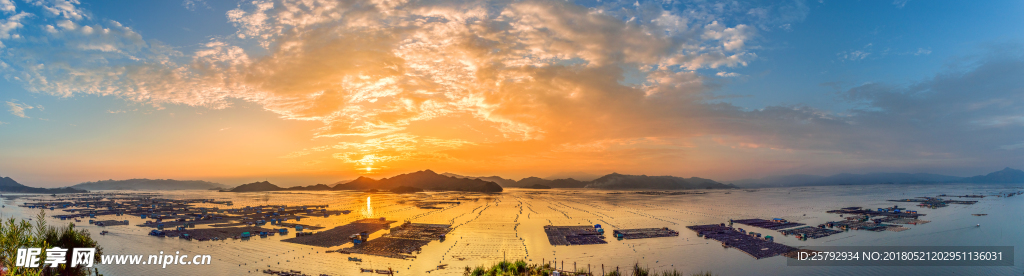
[306, 92]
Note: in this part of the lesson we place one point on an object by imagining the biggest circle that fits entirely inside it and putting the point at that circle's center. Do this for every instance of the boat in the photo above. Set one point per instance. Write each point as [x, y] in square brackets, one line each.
[978, 215]
[104, 232]
[354, 259]
[366, 270]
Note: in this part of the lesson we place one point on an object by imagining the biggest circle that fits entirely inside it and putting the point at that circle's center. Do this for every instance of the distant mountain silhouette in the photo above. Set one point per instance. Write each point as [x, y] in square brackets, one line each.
[427, 180]
[622, 181]
[340, 182]
[582, 176]
[530, 181]
[268, 187]
[1006, 175]
[496, 179]
[264, 186]
[149, 184]
[537, 186]
[557, 183]
[8, 185]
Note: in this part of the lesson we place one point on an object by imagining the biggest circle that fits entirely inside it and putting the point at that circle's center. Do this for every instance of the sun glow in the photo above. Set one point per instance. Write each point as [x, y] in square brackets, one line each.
[368, 211]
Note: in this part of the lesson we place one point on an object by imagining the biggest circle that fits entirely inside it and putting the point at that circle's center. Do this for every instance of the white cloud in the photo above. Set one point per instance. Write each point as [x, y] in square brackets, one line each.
[922, 51]
[853, 55]
[192, 4]
[9, 26]
[63, 8]
[7, 6]
[18, 109]
[376, 74]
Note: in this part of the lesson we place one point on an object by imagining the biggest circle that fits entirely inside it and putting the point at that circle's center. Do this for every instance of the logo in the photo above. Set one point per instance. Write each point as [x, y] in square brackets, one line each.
[29, 257]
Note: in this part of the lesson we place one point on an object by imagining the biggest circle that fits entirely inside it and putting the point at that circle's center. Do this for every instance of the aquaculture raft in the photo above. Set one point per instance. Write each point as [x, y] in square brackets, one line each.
[756, 247]
[339, 235]
[811, 232]
[644, 233]
[768, 224]
[573, 235]
[402, 241]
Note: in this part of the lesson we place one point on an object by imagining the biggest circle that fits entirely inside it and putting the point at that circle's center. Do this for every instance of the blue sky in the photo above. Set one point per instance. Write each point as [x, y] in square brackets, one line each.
[238, 91]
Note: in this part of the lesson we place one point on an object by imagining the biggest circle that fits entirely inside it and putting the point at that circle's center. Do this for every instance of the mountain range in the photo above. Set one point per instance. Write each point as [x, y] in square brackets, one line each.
[8, 185]
[610, 181]
[429, 180]
[149, 184]
[421, 180]
[1006, 175]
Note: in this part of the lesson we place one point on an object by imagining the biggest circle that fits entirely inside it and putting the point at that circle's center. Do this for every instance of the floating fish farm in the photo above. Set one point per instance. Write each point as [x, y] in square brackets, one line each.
[644, 233]
[574, 235]
[775, 224]
[402, 241]
[934, 202]
[342, 234]
[750, 243]
[808, 232]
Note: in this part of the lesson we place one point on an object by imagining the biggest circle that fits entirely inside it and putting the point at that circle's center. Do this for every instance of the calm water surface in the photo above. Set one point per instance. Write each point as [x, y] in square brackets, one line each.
[509, 225]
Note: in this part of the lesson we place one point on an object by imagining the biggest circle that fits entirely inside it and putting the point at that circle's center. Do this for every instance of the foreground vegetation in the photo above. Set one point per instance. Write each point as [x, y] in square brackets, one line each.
[23, 234]
[521, 268]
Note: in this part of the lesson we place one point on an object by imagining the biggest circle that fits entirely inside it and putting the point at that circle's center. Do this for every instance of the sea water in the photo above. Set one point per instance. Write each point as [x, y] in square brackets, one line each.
[489, 228]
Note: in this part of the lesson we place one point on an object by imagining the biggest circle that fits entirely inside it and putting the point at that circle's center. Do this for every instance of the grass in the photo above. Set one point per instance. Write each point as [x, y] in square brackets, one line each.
[15, 234]
[521, 268]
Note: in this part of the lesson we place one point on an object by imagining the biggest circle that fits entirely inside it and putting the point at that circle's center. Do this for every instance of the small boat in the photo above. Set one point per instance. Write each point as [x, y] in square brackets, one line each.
[104, 232]
[979, 215]
[354, 259]
[366, 270]
[979, 225]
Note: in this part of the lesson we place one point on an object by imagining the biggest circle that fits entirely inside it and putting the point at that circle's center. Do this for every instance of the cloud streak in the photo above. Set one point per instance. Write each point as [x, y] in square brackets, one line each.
[484, 83]
[18, 109]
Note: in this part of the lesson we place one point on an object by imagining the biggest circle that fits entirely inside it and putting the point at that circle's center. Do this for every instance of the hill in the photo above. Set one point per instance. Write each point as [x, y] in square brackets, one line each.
[149, 184]
[427, 180]
[264, 186]
[269, 187]
[582, 176]
[557, 183]
[496, 179]
[622, 181]
[1006, 175]
[8, 185]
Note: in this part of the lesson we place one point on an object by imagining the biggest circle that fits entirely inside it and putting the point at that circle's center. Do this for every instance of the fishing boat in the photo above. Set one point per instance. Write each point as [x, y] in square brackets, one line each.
[354, 259]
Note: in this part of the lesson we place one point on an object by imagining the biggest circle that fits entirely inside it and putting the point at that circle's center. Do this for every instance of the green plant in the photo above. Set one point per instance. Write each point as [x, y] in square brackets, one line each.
[15, 234]
[522, 268]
